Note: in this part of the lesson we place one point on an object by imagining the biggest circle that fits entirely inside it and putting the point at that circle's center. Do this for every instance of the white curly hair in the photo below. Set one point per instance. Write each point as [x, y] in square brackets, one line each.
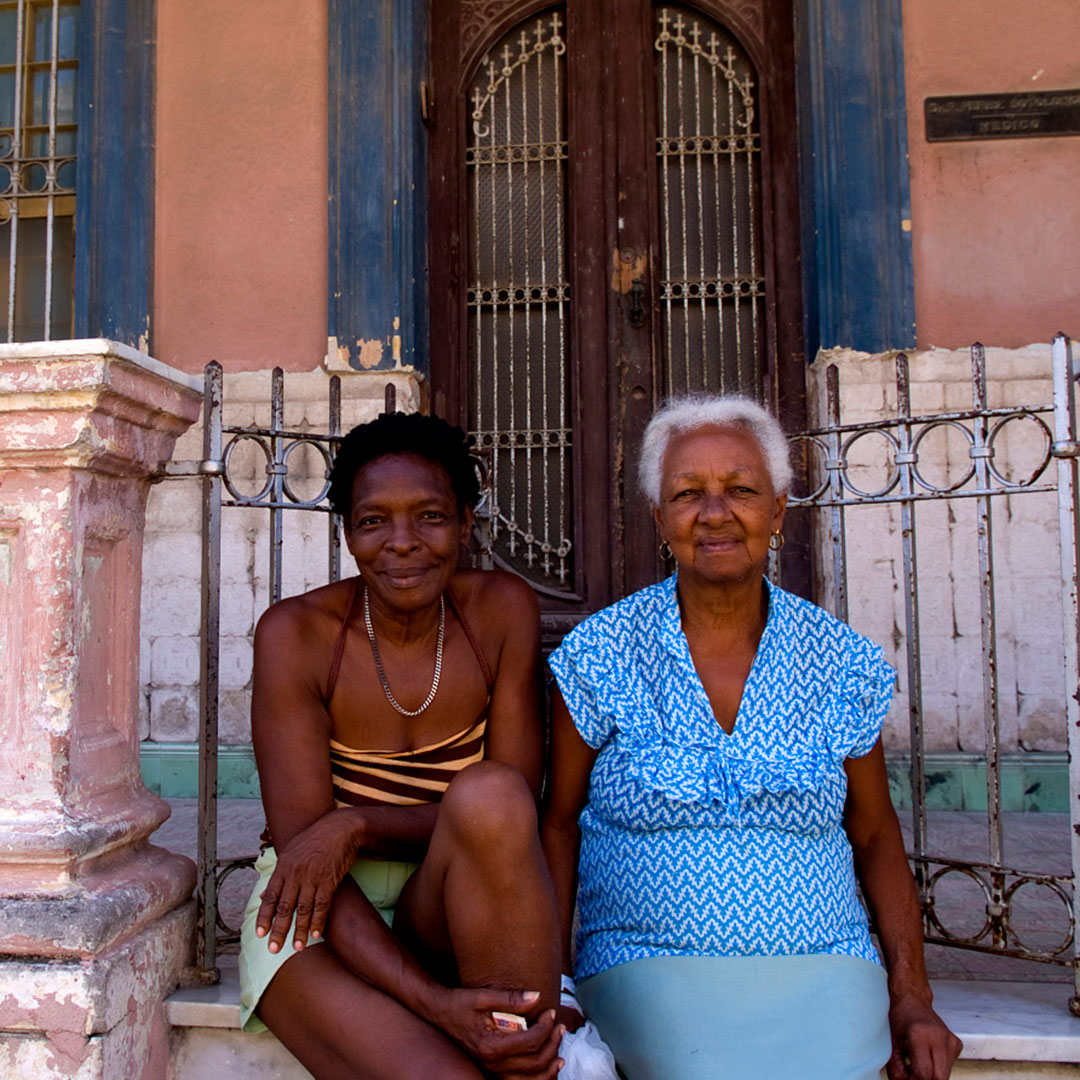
[706, 410]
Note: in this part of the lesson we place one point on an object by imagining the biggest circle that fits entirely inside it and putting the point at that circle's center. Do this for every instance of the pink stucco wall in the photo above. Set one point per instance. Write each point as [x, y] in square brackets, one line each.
[241, 181]
[995, 222]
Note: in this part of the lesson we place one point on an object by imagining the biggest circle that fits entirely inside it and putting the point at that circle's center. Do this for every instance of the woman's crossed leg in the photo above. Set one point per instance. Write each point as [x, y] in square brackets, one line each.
[479, 912]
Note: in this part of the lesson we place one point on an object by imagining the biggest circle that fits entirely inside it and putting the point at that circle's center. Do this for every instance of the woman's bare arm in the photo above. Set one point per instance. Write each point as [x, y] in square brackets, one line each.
[515, 733]
[568, 786]
[923, 1047]
[290, 728]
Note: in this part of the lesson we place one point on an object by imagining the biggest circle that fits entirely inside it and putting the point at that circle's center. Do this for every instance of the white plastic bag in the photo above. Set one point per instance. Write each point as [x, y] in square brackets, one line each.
[587, 1056]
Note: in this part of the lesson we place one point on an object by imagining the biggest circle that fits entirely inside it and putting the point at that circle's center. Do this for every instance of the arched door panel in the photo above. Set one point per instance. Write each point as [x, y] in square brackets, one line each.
[609, 181]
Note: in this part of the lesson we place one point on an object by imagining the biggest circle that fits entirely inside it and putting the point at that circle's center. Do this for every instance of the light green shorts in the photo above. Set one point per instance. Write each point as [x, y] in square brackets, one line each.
[381, 881]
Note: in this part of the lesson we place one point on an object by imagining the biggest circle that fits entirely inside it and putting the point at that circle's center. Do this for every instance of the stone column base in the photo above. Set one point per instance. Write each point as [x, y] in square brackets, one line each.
[101, 1018]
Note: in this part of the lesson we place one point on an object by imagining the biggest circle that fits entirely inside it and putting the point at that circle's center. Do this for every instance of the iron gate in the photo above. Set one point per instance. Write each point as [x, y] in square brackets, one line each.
[836, 495]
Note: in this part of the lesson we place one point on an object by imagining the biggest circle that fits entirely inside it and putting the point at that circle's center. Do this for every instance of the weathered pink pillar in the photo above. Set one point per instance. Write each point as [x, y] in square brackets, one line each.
[95, 923]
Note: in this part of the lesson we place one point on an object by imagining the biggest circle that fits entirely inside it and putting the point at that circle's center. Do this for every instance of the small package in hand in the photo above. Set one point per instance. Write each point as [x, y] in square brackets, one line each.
[509, 1021]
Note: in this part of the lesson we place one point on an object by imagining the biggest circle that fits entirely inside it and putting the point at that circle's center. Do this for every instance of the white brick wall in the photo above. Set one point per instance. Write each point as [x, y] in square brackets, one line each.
[1031, 683]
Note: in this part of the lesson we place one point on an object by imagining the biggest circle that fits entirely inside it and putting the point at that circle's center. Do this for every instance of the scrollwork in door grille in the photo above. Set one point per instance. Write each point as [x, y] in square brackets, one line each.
[518, 299]
[712, 288]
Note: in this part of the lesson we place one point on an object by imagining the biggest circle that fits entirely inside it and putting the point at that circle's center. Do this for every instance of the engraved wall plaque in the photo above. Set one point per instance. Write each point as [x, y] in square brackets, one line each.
[1022, 115]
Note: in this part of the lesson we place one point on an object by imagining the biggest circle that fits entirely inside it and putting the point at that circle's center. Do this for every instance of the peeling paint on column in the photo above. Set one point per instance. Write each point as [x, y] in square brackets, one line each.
[79, 887]
[371, 352]
[69, 1052]
[66, 1007]
[337, 356]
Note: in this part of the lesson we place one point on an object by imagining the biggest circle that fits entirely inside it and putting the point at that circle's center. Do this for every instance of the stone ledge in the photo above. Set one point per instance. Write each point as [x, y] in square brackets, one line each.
[208, 1006]
[99, 909]
[78, 348]
[997, 1021]
[1010, 1021]
[119, 988]
[213, 1053]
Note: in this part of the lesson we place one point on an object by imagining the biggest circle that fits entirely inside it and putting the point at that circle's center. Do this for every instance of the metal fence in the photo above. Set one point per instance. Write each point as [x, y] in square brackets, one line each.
[835, 498]
[220, 446]
[829, 452]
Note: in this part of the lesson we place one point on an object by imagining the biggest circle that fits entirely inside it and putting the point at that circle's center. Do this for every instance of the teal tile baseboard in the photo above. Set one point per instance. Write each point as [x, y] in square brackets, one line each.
[1029, 782]
[171, 770]
[1032, 782]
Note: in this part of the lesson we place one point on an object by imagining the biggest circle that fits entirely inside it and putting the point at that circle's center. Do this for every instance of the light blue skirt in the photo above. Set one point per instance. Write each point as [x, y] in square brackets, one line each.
[743, 1017]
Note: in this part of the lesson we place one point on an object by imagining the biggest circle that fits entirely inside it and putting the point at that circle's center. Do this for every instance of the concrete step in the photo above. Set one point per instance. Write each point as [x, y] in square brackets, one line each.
[1010, 1030]
[206, 1041]
[201, 1053]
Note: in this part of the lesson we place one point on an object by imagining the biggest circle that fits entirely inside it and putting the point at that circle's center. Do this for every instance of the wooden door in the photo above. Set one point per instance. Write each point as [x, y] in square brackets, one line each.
[613, 214]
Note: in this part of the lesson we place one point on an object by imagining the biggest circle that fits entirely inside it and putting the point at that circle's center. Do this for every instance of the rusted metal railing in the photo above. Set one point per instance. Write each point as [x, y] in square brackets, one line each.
[834, 498]
[982, 481]
[276, 496]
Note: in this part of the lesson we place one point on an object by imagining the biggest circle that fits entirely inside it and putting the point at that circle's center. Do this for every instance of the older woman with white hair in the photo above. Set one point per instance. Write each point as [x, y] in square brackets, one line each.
[717, 788]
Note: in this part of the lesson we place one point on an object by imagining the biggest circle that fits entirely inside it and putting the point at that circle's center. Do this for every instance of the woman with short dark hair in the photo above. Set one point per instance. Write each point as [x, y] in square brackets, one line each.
[405, 903]
[717, 785]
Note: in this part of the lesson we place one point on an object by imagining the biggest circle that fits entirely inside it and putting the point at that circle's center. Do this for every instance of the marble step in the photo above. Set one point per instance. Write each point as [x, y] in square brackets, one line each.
[1010, 1030]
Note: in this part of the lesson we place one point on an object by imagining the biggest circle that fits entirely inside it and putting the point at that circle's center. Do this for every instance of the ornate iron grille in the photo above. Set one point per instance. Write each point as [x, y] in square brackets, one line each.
[38, 71]
[711, 291]
[222, 486]
[518, 300]
[836, 455]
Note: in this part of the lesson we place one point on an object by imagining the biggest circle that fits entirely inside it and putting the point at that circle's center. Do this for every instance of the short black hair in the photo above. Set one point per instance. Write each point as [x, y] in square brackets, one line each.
[429, 437]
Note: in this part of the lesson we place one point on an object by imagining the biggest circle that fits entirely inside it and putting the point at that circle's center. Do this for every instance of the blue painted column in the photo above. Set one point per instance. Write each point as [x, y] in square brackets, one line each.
[856, 202]
[378, 191]
[114, 188]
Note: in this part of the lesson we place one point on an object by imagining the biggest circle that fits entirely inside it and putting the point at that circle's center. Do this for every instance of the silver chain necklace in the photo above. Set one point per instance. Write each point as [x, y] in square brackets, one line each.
[378, 662]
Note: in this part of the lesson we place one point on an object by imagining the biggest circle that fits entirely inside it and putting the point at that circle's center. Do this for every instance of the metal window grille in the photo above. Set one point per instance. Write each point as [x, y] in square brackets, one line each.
[38, 88]
[710, 292]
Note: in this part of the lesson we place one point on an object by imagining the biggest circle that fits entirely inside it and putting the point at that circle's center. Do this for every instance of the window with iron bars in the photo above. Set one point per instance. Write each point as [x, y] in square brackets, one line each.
[38, 73]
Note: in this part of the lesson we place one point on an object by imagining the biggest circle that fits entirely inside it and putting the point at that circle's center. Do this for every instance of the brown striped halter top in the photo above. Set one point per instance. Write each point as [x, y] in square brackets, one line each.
[404, 777]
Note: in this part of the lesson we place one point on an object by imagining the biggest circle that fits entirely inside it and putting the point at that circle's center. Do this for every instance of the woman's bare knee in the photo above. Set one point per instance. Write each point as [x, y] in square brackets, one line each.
[489, 804]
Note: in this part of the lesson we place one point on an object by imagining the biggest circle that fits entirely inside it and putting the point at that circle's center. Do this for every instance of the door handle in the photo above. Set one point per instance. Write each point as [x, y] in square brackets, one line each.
[637, 309]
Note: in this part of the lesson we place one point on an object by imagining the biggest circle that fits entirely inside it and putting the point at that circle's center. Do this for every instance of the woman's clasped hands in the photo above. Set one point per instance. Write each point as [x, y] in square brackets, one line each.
[466, 1016]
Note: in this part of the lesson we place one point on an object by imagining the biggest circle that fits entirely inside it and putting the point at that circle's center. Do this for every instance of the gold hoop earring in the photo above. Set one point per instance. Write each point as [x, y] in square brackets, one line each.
[776, 541]
[663, 549]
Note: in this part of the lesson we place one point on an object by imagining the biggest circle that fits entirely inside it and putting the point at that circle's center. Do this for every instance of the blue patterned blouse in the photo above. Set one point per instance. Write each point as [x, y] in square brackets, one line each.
[695, 842]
